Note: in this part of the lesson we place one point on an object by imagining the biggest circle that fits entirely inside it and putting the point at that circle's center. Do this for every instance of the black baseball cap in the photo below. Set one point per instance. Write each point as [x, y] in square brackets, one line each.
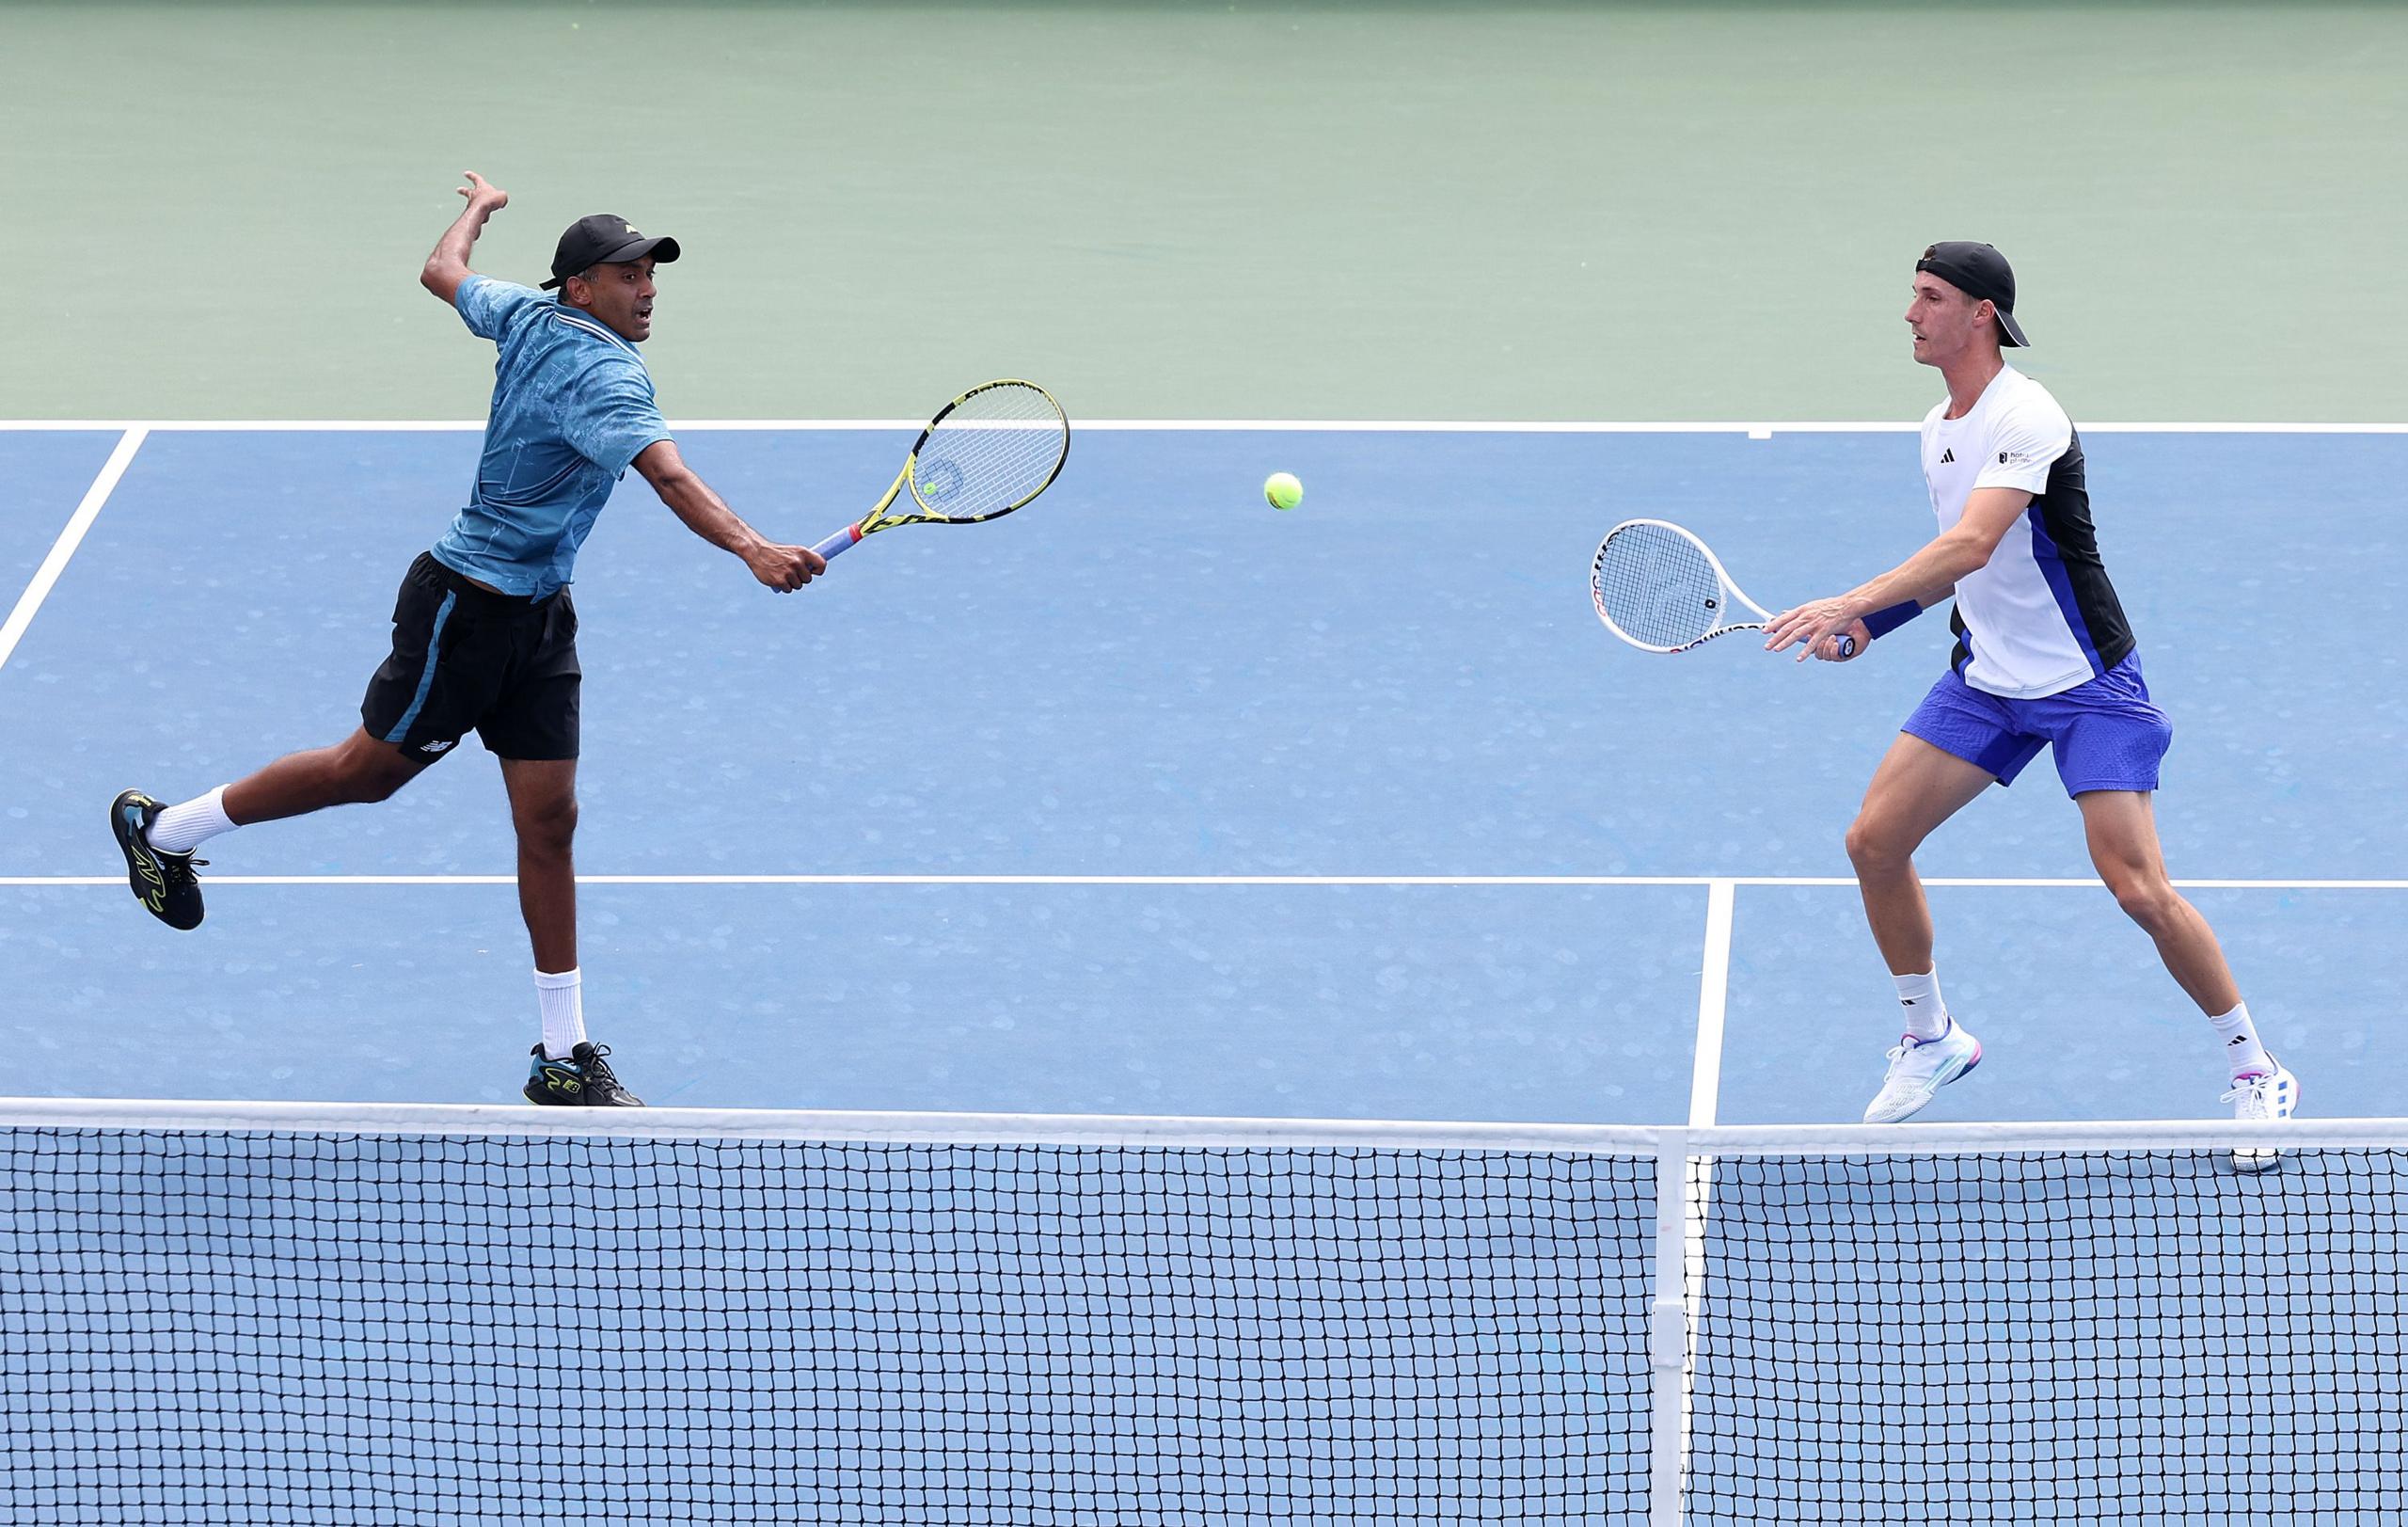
[1981, 273]
[604, 239]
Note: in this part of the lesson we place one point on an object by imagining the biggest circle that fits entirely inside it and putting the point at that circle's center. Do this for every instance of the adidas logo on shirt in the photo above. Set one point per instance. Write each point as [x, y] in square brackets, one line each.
[1948, 455]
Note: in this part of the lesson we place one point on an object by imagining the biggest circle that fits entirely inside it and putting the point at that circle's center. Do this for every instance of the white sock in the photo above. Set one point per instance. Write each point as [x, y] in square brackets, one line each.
[562, 998]
[184, 828]
[1919, 998]
[2248, 1057]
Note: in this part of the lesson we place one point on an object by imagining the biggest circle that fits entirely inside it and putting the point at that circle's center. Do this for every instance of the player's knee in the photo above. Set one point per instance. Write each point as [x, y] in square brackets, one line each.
[371, 778]
[2148, 900]
[547, 827]
[368, 788]
[361, 771]
[1871, 848]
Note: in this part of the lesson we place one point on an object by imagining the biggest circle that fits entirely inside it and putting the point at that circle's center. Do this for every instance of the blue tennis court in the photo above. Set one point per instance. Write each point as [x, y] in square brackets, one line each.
[1154, 800]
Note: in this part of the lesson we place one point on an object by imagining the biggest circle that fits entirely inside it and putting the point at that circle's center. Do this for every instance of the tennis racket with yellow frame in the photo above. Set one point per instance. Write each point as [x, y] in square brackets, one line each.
[988, 452]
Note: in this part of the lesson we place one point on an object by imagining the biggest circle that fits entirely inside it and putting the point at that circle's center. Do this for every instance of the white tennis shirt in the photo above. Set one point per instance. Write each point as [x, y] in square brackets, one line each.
[2040, 616]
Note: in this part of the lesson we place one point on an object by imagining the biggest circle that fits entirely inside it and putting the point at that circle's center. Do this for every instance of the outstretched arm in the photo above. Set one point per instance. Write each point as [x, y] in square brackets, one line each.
[784, 568]
[1924, 579]
[448, 266]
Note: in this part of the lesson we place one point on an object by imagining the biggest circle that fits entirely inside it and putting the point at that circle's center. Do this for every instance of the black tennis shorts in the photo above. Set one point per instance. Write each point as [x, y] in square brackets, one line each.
[466, 658]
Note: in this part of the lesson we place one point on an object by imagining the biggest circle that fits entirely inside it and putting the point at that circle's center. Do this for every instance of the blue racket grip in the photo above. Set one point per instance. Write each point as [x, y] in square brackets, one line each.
[843, 538]
[1847, 646]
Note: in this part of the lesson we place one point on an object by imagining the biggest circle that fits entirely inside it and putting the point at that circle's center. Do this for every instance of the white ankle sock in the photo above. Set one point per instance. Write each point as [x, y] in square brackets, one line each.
[184, 828]
[1919, 998]
[2241, 1049]
[562, 998]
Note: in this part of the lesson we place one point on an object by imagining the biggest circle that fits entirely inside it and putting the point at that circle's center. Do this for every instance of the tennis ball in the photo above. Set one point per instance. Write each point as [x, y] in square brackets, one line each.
[1283, 490]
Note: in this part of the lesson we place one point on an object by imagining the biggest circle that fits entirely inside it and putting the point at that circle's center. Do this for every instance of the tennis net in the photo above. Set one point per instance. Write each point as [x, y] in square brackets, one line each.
[239, 1313]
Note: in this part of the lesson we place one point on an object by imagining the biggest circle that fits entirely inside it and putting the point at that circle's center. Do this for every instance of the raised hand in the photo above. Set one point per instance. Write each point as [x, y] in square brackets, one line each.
[482, 194]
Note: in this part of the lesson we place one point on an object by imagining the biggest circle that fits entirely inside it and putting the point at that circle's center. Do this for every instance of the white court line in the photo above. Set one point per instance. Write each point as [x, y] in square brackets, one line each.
[1713, 1000]
[370, 426]
[1471, 882]
[1757, 429]
[69, 539]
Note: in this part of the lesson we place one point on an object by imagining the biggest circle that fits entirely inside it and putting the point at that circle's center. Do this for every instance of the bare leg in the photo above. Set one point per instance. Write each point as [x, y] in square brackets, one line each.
[2121, 826]
[542, 808]
[357, 769]
[1916, 787]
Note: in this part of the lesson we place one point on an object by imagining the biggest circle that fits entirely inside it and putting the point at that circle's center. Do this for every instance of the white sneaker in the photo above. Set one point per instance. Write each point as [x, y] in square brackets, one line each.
[2272, 1095]
[1919, 1069]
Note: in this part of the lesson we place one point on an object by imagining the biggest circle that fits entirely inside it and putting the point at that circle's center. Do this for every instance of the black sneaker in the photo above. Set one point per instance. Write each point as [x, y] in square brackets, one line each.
[584, 1080]
[163, 881]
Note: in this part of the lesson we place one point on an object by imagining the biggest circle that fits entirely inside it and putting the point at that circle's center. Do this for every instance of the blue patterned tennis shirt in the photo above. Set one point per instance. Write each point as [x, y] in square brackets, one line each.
[572, 406]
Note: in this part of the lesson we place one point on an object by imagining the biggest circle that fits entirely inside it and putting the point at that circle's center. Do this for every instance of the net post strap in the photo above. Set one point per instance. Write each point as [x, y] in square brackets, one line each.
[1668, 1333]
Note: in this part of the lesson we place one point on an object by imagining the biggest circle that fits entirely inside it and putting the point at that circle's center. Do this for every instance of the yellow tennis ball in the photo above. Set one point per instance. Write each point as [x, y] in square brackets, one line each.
[1283, 490]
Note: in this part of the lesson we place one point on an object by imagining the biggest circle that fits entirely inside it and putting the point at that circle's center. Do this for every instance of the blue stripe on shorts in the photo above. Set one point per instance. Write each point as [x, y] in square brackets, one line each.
[426, 674]
[2107, 734]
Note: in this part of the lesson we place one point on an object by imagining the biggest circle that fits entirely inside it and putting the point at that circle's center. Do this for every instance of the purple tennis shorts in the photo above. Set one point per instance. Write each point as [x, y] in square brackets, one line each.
[2106, 733]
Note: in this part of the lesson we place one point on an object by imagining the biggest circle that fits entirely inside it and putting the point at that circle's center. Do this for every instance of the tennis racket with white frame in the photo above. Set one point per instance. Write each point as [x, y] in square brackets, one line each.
[1661, 588]
[988, 452]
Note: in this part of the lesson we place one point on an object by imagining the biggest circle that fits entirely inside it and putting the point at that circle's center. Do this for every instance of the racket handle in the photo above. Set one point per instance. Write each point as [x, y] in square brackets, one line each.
[1847, 646]
[843, 538]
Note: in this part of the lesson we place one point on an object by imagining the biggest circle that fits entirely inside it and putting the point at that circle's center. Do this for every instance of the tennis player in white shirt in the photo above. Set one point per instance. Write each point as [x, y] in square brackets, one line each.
[2043, 657]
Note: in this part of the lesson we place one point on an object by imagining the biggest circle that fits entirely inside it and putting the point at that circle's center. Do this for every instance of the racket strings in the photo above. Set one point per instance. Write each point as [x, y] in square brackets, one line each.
[995, 450]
[1658, 586]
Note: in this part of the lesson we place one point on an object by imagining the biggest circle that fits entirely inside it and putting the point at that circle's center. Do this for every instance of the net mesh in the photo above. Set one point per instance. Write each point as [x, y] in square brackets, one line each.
[993, 452]
[1657, 585]
[200, 1327]
[2125, 1336]
[405, 1324]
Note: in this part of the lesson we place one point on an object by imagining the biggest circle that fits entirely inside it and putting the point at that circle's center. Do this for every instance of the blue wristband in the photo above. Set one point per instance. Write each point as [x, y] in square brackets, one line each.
[1882, 622]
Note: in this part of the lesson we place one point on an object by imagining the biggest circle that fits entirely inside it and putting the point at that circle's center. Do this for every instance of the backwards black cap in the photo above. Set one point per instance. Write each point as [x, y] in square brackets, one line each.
[1981, 273]
[604, 239]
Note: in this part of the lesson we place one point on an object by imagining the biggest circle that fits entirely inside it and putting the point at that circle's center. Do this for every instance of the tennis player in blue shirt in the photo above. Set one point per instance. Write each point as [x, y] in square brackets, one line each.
[485, 634]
